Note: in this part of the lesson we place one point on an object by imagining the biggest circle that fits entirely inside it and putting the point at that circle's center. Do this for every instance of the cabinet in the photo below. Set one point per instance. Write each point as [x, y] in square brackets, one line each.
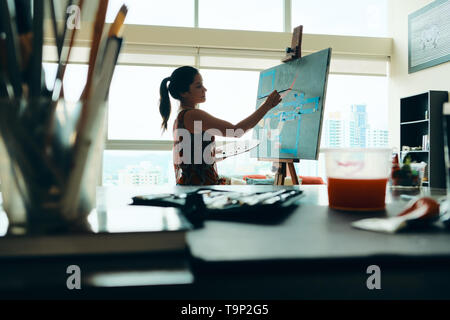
[421, 132]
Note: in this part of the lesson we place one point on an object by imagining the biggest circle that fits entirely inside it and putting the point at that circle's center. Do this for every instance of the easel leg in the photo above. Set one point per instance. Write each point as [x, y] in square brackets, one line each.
[281, 174]
[293, 174]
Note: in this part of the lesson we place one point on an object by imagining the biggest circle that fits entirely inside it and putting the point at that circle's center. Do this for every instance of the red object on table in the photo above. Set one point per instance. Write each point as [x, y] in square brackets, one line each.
[254, 176]
[357, 194]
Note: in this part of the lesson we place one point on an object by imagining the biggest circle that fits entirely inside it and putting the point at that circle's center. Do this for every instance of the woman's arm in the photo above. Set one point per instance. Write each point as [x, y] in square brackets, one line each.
[225, 128]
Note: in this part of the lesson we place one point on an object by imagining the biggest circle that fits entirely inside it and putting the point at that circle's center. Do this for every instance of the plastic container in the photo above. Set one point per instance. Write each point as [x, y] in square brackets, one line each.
[357, 178]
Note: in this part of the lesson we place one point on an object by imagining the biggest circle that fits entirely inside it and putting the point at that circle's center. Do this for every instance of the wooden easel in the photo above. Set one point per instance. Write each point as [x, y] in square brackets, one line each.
[292, 53]
[295, 50]
[281, 165]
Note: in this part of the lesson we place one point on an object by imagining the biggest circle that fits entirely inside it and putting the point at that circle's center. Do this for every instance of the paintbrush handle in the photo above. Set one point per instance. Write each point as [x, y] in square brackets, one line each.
[97, 35]
[265, 96]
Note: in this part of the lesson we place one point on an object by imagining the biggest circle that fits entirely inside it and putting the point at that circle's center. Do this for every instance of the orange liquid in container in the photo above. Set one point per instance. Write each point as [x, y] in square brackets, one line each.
[357, 194]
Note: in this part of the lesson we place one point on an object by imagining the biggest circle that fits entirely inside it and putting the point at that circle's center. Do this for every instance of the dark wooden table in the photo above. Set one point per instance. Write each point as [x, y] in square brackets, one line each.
[313, 253]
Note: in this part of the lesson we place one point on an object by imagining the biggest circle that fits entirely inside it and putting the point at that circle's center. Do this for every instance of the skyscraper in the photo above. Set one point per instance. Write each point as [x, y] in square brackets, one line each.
[358, 126]
[377, 138]
[333, 136]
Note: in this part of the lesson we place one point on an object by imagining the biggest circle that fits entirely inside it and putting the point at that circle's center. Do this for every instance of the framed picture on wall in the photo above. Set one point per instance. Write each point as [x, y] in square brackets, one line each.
[429, 36]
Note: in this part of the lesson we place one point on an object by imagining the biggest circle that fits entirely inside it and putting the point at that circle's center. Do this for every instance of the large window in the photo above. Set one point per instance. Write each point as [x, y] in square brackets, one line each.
[343, 17]
[356, 112]
[258, 15]
[134, 104]
[138, 153]
[231, 94]
[355, 116]
[178, 13]
[347, 90]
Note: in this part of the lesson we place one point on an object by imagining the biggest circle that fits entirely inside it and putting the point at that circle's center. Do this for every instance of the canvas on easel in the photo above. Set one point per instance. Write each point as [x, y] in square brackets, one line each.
[291, 131]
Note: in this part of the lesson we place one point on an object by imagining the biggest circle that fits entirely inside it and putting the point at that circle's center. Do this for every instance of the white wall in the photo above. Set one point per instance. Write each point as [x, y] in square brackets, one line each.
[402, 84]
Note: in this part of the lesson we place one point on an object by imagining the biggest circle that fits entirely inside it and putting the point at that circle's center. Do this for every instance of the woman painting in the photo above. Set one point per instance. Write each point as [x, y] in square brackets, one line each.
[194, 161]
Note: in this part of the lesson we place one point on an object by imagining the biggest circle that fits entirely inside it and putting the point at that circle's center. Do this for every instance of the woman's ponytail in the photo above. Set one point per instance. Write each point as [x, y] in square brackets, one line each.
[180, 82]
[164, 103]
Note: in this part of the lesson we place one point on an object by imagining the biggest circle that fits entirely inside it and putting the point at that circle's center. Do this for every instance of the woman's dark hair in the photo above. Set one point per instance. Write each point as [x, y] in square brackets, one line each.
[180, 81]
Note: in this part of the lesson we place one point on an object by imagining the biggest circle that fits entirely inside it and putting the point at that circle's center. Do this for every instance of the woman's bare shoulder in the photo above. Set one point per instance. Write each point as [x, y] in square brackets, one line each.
[196, 114]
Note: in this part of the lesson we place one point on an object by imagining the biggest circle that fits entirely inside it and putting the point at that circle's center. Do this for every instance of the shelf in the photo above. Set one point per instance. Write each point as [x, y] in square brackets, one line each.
[420, 118]
[414, 122]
